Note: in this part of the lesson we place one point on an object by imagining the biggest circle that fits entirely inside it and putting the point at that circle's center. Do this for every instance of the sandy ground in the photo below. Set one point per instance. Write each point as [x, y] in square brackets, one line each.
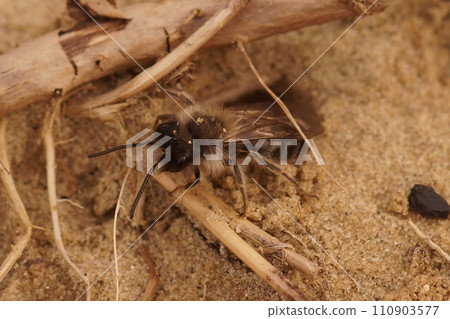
[383, 91]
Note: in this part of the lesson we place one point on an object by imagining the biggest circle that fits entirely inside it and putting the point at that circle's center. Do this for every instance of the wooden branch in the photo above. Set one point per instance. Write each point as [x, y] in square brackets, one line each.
[31, 72]
[219, 227]
[170, 62]
[259, 237]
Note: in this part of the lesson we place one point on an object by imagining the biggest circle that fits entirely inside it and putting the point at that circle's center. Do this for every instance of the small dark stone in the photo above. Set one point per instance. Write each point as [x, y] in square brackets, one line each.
[424, 200]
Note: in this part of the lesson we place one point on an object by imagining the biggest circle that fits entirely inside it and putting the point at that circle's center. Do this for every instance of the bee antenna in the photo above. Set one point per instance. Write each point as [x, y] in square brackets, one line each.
[120, 147]
[113, 149]
[141, 190]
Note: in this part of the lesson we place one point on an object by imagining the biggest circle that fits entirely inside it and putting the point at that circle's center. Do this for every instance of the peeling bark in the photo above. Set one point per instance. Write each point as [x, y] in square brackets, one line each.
[66, 60]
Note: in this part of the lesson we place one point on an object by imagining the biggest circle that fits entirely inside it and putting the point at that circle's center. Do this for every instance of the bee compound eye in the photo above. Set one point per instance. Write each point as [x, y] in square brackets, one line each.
[168, 129]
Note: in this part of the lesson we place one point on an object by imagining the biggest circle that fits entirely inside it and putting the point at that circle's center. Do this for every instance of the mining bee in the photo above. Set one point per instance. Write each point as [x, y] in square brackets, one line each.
[236, 126]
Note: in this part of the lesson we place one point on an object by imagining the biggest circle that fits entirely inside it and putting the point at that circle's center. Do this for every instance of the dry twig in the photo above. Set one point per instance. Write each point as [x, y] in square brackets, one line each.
[53, 199]
[260, 238]
[219, 227]
[170, 62]
[287, 112]
[17, 203]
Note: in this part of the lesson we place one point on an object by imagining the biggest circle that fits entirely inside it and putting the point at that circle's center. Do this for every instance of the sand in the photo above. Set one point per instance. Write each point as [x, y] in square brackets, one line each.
[383, 91]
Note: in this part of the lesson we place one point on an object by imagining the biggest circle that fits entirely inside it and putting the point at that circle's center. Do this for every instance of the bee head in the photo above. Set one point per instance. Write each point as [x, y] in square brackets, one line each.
[180, 151]
[181, 155]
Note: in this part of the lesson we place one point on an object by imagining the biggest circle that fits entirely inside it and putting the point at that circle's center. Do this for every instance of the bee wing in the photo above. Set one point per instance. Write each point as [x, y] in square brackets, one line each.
[257, 121]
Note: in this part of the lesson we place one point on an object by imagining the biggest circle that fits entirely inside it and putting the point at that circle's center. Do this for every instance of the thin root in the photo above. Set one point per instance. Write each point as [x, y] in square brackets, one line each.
[150, 289]
[116, 213]
[53, 200]
[17, 203]
[428, 240]
[66, 200]
[287, 112]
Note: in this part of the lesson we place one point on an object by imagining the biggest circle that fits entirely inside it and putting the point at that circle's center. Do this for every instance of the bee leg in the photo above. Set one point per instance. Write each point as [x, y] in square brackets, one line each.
[197, 177]
[276, 170]
[196, 172]
[238, 176]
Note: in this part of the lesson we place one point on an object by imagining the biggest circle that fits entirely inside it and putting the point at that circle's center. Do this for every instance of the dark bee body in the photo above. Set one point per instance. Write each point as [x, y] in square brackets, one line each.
[235, 125]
